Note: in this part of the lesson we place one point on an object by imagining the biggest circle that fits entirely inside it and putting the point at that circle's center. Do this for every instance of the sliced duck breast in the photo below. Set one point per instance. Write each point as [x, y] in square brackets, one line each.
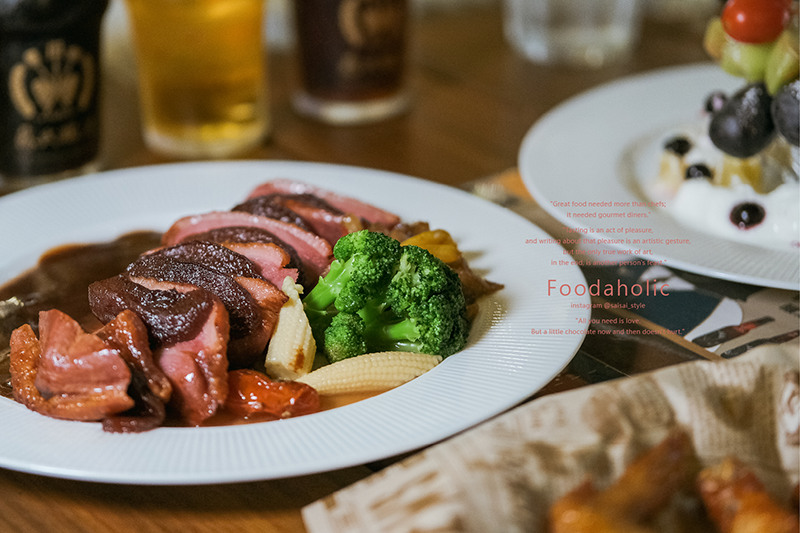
[171, 312]
[345, 204]
[269, 206]
[68, 373]
[190, 331]
[231, 235]
[314, 251]
[245, 345]
[211, 255]
[325, 220]
[149, 387]
[128, 334]
[198, 368]
[243, 310]
[271, 259]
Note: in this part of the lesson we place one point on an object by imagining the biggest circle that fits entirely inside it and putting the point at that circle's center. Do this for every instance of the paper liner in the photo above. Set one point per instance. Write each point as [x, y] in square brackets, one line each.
[503, 475]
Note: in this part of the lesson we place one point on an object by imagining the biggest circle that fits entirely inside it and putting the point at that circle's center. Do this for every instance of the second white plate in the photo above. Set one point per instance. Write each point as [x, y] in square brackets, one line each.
[592, 149]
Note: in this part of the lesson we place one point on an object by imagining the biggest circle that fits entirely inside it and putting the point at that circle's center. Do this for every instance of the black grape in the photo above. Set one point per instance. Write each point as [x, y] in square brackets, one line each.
[743, 126]
[786, 112]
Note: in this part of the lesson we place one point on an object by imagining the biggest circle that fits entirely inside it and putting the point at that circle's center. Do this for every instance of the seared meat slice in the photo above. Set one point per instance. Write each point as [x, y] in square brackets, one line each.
[233, 259]
[69, 373]
[270, 207]
[227, 274]
[243, 310]
[345, 204]
[325, 220]
[171, 315]
[149, 387]
[271, 259]
[231, 235]
[314, 251]
[129, 335]
[198, 368]
[193, 356]
[210, 255]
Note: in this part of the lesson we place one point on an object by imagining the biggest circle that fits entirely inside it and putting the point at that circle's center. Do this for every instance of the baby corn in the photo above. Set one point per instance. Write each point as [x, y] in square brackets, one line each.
[372, 372]
[292, 348]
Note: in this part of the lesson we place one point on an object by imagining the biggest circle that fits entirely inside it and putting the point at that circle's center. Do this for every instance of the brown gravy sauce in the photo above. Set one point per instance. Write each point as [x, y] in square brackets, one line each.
[60, 281]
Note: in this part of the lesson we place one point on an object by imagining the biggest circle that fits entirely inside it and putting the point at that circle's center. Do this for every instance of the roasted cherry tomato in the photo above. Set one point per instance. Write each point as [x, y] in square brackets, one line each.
[756, 21]
[251, 392]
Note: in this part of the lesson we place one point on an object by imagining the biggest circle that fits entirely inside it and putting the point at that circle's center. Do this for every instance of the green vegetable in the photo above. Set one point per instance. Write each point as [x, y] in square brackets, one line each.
[380, 296]
[362, 268]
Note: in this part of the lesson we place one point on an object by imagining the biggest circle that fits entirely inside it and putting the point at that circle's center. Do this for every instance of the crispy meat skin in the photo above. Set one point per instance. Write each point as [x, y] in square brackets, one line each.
[345, 204]
[128, 334]
[271, 206]
[171, 316]
[242, 308]
[210, 255]
[52, 376]
[311, 213]
[250, 235]
[149, 387]
[315, 252]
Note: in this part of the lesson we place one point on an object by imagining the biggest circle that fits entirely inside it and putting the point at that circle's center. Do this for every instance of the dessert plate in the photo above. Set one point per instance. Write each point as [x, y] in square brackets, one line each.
[503, 364]
[599, 147]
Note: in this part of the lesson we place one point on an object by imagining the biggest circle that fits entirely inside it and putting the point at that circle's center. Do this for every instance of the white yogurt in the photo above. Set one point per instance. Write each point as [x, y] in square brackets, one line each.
[708, 208]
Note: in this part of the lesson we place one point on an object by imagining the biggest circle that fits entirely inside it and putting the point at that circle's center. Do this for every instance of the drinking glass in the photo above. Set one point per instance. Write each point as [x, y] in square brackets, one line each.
[586, 33]
[352, 59]
[202, 75]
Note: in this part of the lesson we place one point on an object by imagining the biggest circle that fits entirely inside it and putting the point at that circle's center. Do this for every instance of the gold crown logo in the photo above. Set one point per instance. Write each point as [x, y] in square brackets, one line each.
[54, 83]
[371, 23]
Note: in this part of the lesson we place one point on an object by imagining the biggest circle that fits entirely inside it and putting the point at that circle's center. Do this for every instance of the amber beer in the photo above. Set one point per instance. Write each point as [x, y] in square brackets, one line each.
[202, 75]
[352, 58]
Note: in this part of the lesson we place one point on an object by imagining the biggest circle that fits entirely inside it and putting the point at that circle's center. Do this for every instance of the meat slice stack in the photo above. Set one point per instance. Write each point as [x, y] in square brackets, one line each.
[188, 328]
[68, 373]
[181, 315]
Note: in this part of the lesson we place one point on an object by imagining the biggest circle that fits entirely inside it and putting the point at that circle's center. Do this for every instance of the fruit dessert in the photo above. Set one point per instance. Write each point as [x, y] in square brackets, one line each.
[735, 172]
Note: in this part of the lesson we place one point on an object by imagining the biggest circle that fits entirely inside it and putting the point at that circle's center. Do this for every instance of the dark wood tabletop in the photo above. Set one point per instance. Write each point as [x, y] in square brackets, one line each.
[474, 99]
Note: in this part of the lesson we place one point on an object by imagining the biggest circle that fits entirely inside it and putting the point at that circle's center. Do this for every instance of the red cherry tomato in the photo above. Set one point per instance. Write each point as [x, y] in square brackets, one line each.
[755, 21]
[251, 392]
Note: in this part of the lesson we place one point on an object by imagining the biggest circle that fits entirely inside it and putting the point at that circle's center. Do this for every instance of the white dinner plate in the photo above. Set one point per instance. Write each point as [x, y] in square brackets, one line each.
[599, 147]
[504, 363]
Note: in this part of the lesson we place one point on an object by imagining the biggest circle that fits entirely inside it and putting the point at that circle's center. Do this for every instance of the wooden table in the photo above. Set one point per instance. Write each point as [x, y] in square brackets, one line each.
[474, 101]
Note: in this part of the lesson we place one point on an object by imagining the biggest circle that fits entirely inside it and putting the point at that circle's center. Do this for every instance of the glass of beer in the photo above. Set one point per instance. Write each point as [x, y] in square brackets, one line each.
[351, 55]
[202, 75]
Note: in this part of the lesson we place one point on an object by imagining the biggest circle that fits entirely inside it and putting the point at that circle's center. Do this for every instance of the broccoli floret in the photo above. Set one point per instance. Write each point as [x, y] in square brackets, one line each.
[424, 293]
[344, 337]
[406, 299]
[363, 265]
[436, 326]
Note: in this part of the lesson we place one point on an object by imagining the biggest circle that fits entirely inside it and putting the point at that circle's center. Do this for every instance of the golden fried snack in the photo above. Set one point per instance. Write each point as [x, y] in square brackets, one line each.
[578, 512]
[645, 488]
[737, 501]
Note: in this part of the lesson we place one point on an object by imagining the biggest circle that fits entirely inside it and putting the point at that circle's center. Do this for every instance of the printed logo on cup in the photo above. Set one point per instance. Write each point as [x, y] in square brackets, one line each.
[371, 23]
[372, 32]
[52, 84]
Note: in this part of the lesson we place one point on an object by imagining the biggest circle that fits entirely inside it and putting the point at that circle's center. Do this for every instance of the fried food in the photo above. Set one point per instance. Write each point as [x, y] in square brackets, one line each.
[737, 502]
[644, 489]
